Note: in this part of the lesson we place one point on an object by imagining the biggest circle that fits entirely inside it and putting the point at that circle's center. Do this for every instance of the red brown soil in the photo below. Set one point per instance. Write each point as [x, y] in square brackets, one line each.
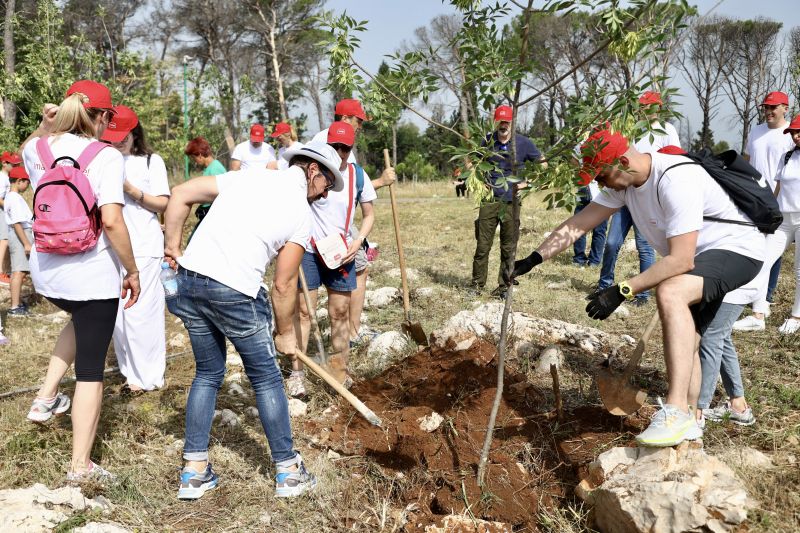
[534, 460]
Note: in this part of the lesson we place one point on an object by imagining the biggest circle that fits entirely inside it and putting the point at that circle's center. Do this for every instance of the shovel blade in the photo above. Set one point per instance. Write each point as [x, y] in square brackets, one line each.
[619, 398]
[415, 331]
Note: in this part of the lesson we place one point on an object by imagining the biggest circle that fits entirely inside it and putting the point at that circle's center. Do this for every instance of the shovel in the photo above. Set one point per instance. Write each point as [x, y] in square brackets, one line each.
[365, 411]
[617, 394]
[412, 329]
[335, 365]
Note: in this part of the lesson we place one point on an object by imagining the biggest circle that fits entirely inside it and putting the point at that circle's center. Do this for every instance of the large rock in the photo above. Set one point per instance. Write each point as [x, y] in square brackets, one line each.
[297, 408]
[38, 508]
[552, 355]
[411, 274]
[664, 490]
[381, 297]
[387, 346]
[466, 524]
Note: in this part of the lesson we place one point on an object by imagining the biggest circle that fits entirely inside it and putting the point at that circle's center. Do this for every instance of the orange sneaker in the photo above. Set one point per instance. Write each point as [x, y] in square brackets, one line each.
[5, 279]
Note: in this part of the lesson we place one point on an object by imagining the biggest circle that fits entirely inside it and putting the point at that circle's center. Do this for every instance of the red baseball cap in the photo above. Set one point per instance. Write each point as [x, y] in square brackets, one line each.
[602, 148]
[776, 98]
[341, 132]
[256, 133]
[650, 98]
[4, 157]
[18, 173]
[13, 159]
[350, 108]
[121, 125]
[793, 125]
[98, 94]
[671, 149]
[280, 129]
[503, 113]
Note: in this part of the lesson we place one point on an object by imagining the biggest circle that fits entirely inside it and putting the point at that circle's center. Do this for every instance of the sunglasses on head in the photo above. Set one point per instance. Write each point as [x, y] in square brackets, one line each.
[339, 147]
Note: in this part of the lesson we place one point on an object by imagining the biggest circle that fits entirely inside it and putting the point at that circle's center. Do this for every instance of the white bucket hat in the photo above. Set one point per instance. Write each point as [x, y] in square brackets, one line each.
[323, 154]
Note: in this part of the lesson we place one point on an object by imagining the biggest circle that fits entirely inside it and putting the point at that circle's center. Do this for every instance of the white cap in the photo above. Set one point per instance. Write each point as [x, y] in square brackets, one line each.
[323, 154]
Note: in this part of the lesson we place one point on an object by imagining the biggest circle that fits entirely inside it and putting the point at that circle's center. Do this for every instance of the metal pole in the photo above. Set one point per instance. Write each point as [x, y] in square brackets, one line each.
[185, 118]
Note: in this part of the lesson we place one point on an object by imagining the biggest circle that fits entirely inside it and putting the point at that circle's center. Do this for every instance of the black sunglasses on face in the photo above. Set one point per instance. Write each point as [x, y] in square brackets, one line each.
[329, 178]
[339, 147]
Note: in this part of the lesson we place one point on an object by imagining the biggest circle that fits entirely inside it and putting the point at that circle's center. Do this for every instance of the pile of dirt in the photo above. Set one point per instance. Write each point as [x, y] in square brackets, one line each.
[534, 461]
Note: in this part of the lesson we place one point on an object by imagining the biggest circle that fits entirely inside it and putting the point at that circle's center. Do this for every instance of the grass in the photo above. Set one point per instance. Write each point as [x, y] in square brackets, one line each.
[137, 438]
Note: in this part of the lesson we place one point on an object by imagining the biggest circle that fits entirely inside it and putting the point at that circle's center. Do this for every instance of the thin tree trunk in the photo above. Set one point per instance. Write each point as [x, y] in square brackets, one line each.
[276, 66]
[9, 107]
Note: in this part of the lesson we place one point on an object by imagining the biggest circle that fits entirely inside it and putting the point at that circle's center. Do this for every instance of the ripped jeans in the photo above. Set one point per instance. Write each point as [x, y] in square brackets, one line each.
[211, 312]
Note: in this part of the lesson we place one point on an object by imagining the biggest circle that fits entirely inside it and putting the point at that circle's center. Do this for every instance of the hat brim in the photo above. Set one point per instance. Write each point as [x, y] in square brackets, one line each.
[275, 134]
[256, 138]
[338, 182]
[115, 135]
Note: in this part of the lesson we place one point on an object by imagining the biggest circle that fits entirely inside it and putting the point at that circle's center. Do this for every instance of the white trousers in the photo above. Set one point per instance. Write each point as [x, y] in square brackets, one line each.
[777, 243]
[139, 333]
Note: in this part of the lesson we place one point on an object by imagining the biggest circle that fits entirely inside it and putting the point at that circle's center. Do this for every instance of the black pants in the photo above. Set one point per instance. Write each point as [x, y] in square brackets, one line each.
[93, 321]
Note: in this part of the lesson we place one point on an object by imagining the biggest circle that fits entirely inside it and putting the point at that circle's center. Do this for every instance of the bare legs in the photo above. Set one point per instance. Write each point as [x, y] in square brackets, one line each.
[357, 302]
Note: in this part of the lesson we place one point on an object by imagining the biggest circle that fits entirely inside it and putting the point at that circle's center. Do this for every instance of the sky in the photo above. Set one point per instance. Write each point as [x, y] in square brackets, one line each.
[392, 21]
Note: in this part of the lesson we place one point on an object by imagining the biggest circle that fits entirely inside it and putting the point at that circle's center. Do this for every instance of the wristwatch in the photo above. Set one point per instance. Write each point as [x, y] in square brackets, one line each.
[626, 291]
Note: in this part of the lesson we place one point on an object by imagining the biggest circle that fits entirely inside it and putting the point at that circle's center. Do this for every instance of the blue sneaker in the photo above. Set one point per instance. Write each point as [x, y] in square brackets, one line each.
[195, 484]
[290, 483]
[21, 311]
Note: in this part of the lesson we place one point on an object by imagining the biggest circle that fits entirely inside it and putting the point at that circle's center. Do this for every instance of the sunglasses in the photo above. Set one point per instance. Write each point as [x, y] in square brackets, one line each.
[339, 147]
[330, 179]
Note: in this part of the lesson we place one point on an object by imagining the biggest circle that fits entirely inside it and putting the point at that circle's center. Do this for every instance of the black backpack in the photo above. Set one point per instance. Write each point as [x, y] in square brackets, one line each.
[743, 184]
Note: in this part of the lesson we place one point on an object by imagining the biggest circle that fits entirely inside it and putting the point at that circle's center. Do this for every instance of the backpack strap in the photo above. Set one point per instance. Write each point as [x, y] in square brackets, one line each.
[148, 160]
[44, 151]
[658, 190]
[788, 156]
[89, 153]
[349, 200]
[359, 182]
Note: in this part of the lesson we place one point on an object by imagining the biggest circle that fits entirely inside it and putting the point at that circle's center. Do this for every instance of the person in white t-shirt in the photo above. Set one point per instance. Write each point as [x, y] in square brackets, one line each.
[252, 153]
[139, 333]
[349, 111]
[18, 218]
[87, 285]
[4, 188]
[286, 136]
[702, 260]
[257, 216]
[334, 215]
[767, 145]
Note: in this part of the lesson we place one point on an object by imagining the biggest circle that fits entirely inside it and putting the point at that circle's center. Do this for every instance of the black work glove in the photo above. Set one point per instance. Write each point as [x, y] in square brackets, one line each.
[602, 302]
[523, 266]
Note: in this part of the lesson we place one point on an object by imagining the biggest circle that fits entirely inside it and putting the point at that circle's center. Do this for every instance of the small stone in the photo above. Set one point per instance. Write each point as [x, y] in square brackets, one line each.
[178, 340]
[234, 377]
[265, 518]
[332, 455]
[423, 293]
[331, 411]
[551, 355]
[559, 285]
[177, 321]
[792, 440]
[381, 297]
[411, 274]
[297, 408]
[234, 389]
[386, 346]
[100, 527]
[522, 469]
[622, 312]
[234, 360]
[747, 457]
[251, 411]
[628, 339]
[227, 418]
[322, 313]
[431, 422]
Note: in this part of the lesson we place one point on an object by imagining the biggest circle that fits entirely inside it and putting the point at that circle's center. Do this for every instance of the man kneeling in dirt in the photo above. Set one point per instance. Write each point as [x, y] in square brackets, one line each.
[257, 215]
[701, 259]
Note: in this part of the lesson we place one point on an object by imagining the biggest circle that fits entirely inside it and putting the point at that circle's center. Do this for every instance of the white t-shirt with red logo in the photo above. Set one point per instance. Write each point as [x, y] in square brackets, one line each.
[93, 274]
[328, 214]
[251, 157]
[685, 195]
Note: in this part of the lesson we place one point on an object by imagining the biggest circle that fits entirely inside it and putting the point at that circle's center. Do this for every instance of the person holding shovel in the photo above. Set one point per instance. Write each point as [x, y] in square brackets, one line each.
[702, 260]
[257, 216]
[332, 219]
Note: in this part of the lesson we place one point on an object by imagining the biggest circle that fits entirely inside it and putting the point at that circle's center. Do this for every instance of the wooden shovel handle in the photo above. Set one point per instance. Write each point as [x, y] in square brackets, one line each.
[633, 362]
[365, 411]
[312, 315]
[404, 281]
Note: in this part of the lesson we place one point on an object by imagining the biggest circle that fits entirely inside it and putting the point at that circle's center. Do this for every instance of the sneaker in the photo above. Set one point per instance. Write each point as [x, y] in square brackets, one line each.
[20, 311]
[195, 484]
[43, 409]
[289, 483]
[750, 323]
[791, 325]
[669, 426]
[4, 340]
[640, 302]
[95, 473]
[701, 422]
[5, 279]
[296, 384]
[726, 411]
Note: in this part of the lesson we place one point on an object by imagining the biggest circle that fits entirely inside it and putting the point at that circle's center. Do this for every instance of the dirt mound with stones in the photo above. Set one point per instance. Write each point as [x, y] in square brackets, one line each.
[535, 459]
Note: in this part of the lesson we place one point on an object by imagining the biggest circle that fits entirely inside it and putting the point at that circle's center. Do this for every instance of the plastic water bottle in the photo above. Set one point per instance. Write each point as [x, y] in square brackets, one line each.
[169, 279]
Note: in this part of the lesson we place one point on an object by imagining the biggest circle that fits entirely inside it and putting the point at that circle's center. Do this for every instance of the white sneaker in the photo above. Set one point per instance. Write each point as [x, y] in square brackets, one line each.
[790, 325]
[751, 323]
[669, 427]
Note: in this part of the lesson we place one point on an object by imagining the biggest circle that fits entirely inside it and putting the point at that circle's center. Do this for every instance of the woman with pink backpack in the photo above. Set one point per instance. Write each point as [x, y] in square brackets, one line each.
[80, 241]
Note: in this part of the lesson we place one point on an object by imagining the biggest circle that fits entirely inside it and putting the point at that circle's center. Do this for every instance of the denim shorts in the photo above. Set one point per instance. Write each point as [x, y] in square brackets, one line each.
[342, 279]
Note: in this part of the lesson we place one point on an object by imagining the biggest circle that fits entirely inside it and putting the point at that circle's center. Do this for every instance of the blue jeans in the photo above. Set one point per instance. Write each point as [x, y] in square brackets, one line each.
[598, 241]
[212, 312]
[621, 224]
[773, 279]
[718, 356]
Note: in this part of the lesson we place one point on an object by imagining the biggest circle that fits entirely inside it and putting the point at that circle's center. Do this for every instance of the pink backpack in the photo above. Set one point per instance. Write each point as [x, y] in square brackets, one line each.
[66, 217]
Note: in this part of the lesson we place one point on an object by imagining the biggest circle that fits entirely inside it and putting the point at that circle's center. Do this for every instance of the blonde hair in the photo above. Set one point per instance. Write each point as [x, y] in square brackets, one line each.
[73, 118]
[292, 133]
